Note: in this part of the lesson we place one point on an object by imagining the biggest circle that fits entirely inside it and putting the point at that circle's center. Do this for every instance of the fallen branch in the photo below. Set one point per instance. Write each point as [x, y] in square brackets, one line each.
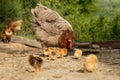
[25, 41]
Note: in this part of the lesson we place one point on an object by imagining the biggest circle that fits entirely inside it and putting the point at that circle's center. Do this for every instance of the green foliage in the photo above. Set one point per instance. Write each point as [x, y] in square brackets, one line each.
[76, 12]
[10, 8]
[17, 9]
[92, 20]
[115, 30]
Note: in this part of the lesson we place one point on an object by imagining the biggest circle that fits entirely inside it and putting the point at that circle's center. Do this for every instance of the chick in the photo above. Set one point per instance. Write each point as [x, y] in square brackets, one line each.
[90, 64]
[7, 34]
[78, 54]
[61, 52]
[52, 56]
[50, 52]
[36, 62]
[46, 51]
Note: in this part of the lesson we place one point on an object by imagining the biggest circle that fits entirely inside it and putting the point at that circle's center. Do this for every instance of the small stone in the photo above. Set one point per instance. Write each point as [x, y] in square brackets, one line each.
[14, 65]
[71, 70]
[57, 76]
[109, 70]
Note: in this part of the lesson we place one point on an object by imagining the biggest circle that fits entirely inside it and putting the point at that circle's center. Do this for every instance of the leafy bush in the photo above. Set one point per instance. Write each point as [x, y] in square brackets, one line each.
[92, 20]
[17, 9]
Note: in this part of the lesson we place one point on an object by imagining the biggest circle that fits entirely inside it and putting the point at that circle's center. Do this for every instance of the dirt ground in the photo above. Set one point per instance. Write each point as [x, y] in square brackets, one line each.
[14, 65]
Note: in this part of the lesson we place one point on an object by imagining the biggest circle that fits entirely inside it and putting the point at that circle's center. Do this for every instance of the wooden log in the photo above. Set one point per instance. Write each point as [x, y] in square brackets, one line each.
[91, 50]
[83, 45]
[25, 41]
[114, 44]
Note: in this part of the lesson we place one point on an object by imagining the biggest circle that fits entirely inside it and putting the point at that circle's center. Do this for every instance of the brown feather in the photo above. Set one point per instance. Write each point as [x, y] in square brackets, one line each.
[63, 40]
[7, 32]
[36, 62]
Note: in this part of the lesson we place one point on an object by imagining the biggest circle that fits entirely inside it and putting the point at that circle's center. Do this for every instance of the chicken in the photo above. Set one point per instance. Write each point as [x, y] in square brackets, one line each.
[90, 63]
[61, 52]
[78, 54]
[7, 32]
[50, 52]
[53, 52]
[6, 35]
[36, 62]
[46, 52]
[52, 56]
[16, 26]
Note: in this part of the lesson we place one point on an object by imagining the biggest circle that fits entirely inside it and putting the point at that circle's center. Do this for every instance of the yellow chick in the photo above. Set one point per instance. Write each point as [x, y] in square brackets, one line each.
[78, 54]
[90, 63]
[50, 52]
[46, 51]
[61, 52]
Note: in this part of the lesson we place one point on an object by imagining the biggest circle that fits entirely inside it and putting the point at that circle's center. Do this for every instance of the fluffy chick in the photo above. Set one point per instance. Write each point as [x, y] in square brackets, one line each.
[46, 51]
[6, 35]
[90, 63]
[78, 54]
[36, 62]
[7, 32]
[50, 52]
[61, 52]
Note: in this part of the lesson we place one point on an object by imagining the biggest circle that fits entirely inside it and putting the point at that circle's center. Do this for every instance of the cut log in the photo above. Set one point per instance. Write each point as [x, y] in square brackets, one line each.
[27, 42]
[83, 45]
[91, 50]
[114, 44]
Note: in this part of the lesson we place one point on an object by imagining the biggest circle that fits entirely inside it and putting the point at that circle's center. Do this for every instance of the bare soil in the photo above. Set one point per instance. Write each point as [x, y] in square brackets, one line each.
[14, 65]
